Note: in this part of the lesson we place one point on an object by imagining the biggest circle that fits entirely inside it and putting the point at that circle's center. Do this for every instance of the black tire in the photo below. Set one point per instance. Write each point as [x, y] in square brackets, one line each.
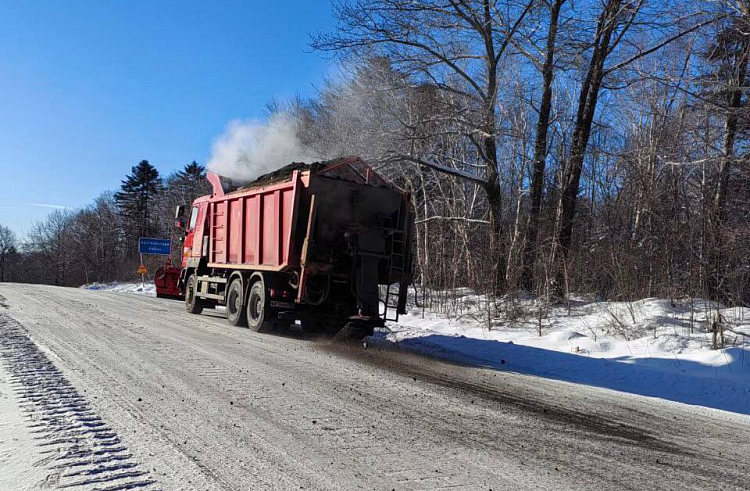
[235, 305]
[193, 304]
[260, 317]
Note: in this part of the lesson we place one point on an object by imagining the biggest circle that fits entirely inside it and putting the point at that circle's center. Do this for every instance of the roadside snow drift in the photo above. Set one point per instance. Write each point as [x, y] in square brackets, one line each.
[652, 347]
[148, 289]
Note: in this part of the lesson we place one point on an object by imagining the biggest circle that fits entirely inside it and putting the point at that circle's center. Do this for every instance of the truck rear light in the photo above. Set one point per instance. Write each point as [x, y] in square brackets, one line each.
[279, 293]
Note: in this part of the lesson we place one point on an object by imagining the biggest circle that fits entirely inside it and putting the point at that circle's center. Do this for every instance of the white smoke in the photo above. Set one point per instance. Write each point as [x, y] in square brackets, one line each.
[248, 149]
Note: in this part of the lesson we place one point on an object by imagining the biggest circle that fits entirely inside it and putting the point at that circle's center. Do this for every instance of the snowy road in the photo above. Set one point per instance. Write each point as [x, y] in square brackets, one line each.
[154, 398]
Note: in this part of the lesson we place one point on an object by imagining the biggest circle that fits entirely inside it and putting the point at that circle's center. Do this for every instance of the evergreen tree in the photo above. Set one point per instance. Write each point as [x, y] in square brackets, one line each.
[181, 188]
[137, 201]
[190, 182]
[192, 172]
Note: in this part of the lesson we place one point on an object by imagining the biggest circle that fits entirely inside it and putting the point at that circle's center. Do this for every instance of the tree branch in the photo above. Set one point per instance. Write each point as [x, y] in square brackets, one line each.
[454, 219]
[662, 44]
[439, 168]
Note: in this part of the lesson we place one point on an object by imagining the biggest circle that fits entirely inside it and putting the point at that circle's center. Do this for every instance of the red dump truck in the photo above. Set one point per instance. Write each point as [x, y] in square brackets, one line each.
[312, 243]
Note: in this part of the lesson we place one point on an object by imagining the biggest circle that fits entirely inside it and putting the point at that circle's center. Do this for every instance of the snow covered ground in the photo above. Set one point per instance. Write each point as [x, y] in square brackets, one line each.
[124, 392]
[148, 288]
[50, 437]
[18, 453]
[652, 347]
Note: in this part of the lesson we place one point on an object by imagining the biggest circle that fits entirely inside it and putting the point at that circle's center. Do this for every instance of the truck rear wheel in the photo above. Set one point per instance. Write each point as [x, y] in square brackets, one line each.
[193, 304]
[235, 311]
[260, 317]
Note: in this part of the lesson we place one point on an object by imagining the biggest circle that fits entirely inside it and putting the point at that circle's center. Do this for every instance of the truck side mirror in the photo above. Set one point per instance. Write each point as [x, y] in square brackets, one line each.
[179, 212]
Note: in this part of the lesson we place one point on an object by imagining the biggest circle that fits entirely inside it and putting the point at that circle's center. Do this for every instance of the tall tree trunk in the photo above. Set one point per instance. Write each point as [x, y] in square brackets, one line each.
[493, 187]
[587, 102]
[495, 201]
[540, 153]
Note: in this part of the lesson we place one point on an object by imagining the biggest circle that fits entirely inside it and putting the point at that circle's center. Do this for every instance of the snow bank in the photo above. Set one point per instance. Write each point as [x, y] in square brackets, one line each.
[148, 289]
[652, 347]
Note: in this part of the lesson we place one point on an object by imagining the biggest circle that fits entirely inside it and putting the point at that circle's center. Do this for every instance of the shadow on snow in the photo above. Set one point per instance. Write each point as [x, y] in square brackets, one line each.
[725, 387]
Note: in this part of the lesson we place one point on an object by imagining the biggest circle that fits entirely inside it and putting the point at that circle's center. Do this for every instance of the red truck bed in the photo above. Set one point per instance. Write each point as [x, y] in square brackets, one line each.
[252, 227]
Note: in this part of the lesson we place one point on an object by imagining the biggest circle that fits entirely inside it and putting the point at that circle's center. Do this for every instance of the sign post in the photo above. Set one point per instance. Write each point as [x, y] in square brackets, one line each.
[142, 270]
[149, 245]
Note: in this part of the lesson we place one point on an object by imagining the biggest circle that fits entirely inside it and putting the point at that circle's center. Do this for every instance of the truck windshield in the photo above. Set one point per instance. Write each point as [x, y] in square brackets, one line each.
[193, 218]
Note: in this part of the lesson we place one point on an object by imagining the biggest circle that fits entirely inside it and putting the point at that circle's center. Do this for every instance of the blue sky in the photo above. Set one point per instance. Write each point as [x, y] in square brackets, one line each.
[89, 88]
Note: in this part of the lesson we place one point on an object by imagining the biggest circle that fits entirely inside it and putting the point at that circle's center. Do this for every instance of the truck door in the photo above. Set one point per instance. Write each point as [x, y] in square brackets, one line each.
[196, 228]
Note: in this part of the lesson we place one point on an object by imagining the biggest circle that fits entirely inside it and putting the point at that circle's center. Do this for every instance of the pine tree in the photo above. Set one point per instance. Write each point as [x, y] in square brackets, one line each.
[137, 201]
[193, 172]
[188, 183]
[181, 188]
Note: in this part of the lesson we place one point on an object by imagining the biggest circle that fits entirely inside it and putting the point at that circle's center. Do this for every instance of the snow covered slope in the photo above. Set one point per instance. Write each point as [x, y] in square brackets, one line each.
[652, 347]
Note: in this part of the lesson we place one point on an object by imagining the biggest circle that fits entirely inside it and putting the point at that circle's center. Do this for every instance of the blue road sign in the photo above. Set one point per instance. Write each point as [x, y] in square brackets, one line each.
[148, 245]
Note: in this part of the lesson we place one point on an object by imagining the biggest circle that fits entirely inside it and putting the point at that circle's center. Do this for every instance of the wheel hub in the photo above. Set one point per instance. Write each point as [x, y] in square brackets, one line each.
[254, 311]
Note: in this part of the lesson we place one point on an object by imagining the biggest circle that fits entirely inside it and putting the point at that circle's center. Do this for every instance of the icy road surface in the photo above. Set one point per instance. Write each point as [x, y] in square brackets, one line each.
[101, 390]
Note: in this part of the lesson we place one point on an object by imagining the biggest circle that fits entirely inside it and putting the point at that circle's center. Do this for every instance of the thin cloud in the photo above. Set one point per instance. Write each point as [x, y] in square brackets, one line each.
[47, 205]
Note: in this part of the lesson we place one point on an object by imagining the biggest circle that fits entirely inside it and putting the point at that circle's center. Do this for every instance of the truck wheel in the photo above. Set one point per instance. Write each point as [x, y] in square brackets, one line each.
[235, 312]
[193, 304]
[259, 315]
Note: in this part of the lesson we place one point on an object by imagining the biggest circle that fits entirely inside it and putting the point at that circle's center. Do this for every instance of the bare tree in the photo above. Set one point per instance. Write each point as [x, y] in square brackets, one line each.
[49, 242]
[729, 54]
[456, 46]
[540, 146]
[8, 246]
[615, 20]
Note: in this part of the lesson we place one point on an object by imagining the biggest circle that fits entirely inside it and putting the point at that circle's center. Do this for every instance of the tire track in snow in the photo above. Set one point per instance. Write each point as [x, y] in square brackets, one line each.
[80, 450]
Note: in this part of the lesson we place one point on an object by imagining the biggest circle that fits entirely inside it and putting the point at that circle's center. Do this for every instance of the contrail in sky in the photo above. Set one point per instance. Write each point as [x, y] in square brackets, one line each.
[46, 205]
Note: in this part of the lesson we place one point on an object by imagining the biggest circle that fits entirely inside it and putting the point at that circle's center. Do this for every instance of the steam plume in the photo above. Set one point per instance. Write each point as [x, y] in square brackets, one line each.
[250, 148]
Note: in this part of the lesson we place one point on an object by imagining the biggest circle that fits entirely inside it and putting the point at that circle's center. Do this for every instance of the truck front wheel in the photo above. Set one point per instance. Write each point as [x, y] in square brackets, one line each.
[259, 315]
[193, 304]
[235, 312]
